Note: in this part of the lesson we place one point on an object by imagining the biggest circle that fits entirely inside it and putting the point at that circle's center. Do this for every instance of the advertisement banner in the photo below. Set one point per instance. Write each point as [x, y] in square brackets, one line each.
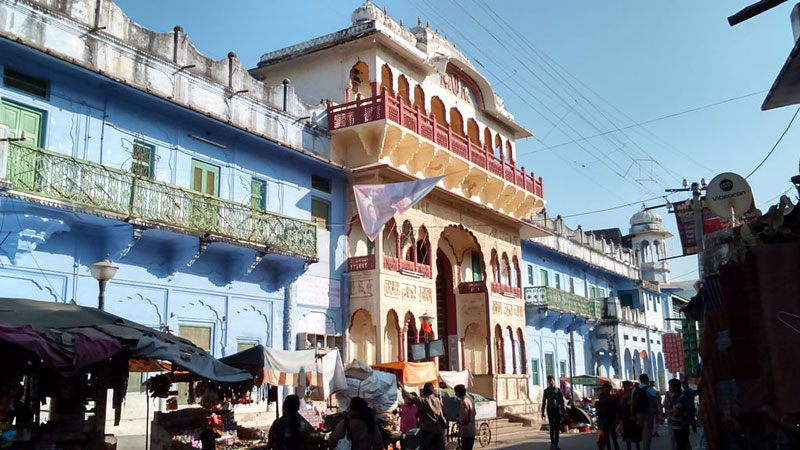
[684, 215]
[378, 203]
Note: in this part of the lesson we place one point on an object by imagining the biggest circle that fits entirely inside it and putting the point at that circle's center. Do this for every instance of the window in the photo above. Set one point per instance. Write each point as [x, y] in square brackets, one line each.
[142, 162]
[321, 212]
[321, 184]
[535, 372]
[205, 178]
[477, 273]
[626, 337]
[558, 281]
[549, 365]
[21, 119]
[562, 367]
[244, 345]
[198, 334]
[25, 83]
[258, 194]
[543, 278]
[635, 338]
[530, 275]
[571, 285]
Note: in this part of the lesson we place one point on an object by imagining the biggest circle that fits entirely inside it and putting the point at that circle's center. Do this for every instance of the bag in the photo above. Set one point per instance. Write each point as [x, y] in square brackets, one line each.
[641, 401]
[345, 443]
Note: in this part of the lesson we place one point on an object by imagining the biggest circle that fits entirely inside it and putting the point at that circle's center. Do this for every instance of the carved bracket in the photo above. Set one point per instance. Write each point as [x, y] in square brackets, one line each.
[204, 243]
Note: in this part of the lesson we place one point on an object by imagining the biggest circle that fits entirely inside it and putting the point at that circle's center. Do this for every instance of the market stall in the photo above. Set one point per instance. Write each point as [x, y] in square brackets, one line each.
[68, 357]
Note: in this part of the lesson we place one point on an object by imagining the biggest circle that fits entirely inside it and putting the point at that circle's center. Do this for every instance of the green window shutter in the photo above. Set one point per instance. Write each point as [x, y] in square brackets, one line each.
[205, 178]
[558, 281]
[562, 367]
[544, 277]
[535, 372]
[321, 212]
[142, 162]
[549, 365]
[530, 275]
[19, 118]
[258, 194]
[477, 273]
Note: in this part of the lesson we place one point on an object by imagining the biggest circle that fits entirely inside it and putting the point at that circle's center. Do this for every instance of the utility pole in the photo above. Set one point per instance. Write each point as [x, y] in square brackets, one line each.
[696, 190]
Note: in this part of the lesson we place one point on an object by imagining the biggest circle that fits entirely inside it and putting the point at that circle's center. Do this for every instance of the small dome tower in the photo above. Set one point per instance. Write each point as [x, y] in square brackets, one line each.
[649, 241]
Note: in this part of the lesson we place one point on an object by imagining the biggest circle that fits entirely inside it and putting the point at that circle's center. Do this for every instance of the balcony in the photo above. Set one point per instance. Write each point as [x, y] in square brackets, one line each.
[95, 189]
[359, 263]
[561, 300]
[399, 265]
[502, 289]
[384, 106]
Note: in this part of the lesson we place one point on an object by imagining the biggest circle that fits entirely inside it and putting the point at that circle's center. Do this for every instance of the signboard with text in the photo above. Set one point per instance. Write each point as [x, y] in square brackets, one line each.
[684, 215]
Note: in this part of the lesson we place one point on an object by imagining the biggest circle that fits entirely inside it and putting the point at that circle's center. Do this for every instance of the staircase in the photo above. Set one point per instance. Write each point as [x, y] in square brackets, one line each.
[527, 414]
[504, 430]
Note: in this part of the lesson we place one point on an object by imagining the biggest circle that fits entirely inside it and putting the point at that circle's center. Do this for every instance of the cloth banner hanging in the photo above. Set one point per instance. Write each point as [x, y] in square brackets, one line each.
[673, 352]
[378, 203]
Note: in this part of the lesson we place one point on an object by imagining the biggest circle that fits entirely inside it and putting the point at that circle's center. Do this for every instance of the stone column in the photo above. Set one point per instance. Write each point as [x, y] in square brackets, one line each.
[289, 301]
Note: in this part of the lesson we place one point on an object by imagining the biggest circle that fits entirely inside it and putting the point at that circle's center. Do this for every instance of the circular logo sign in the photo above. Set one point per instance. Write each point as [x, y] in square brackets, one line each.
[728, 195]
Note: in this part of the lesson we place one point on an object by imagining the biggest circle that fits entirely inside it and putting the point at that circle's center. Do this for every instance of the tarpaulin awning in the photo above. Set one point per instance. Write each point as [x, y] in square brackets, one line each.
[411, 373]
[452, 379]
[299, 368]
[149, 365]
[592, 380]
[69, 338]
[378, 388]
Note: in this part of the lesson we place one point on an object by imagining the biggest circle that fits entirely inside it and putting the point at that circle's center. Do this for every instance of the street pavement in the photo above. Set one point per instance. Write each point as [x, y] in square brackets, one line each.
[583, 441]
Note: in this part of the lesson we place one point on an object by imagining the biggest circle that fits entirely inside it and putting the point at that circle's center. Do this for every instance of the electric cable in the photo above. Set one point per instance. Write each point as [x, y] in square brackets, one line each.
[789, 125]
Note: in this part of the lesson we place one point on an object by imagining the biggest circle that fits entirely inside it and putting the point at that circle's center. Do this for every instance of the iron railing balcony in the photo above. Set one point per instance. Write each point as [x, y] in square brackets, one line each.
[564, 301]
[96, 189]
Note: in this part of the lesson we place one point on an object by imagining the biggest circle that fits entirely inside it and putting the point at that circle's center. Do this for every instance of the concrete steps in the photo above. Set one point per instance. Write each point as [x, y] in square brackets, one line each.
[504, 430]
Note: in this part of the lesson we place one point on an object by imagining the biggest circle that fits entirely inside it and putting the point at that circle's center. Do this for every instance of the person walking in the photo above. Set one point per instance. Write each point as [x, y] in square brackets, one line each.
[659, 417]
[466, 418]
[429, 417]
[631, 431]
[359, 427]
[290, 431]
[553, 405]
[608, 416]
[645, 407]
[681, 414]
[667, 407]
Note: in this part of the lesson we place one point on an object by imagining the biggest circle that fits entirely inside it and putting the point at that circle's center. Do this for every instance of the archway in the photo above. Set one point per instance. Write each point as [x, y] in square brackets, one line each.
[359, 81]
[447, 320]
[487, 139]
[391, 338]
[387, 79]
[391, 240]
[628, 365]
[419, 99]
[498, 147]
[523, 357]
[475, 349]
[473, 132]
[514, 366]
[456, 121]
[363, 339]
[411, 335]
[499, 348]
[357, 242]
[437, 109]
[403, 89]
[509, 152]
[662, 374]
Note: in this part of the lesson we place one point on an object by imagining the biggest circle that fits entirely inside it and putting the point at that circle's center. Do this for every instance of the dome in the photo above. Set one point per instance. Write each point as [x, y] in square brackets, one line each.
[366, 12]
[646, 220]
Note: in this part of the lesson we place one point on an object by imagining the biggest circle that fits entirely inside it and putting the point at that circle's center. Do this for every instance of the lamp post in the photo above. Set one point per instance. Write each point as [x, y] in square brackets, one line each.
[102, 271]
[428, 319]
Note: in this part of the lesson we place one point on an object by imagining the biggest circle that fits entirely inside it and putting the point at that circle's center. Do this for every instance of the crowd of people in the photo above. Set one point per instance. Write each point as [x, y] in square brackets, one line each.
[639, 409]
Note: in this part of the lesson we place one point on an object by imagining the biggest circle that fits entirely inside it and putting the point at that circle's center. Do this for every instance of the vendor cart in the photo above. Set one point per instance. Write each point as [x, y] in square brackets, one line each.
[485, 414]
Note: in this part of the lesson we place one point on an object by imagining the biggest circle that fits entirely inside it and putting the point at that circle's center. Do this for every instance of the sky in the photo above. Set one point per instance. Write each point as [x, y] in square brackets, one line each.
[583, 76]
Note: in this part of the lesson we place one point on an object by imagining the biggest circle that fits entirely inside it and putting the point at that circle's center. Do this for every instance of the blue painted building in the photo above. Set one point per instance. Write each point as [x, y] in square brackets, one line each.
[210, 190]
[585, 290]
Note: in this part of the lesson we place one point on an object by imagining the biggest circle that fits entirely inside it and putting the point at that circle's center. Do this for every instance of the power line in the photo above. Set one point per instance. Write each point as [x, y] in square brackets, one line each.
[774, 146]
[639, 124]
[614, 207]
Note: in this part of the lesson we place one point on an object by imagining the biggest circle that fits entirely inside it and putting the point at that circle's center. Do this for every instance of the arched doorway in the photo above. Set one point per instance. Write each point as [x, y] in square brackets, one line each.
[662, 374]
[391, 338]
[403, 89]
[437, 109]
[475, 349]
[410, 328]
[456, 121]
[359, 81]
[363, 337]
[446, 319]
[387, 79]
[419, 98]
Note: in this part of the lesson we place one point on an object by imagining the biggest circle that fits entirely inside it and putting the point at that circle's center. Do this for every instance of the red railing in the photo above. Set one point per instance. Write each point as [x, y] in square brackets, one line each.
[500, 288]
[356, 263]
[384, 106]
[396, 265]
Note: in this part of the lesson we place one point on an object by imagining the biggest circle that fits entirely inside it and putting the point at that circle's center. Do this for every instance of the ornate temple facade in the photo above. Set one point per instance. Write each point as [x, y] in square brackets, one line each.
[405, 104]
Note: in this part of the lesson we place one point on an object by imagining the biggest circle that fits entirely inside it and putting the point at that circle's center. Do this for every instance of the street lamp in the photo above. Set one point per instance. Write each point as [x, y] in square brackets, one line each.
[102, 271]
[428, 320]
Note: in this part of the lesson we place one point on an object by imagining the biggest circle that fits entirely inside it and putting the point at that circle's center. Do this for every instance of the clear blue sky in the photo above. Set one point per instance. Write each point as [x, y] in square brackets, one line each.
[569, 70]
